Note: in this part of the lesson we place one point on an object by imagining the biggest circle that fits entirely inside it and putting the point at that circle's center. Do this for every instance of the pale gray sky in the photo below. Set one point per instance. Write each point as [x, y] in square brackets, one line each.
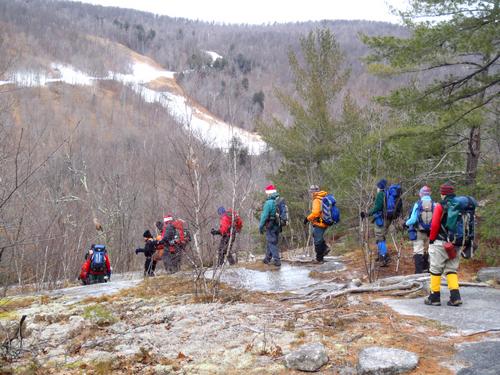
[264, 11]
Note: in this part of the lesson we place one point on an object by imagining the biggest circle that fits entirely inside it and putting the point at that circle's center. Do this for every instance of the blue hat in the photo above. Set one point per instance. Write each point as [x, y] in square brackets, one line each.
[221, 210]
[382, 184]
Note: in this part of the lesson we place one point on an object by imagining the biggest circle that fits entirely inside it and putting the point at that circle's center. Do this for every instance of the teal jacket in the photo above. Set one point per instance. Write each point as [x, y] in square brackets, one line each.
[269, 211]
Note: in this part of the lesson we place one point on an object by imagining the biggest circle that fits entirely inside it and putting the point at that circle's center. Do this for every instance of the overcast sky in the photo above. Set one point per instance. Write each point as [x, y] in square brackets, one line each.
[264, 11]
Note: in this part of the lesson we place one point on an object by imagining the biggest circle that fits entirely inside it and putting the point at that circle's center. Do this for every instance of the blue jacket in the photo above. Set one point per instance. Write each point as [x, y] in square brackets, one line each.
[413, 220]
[269, 211]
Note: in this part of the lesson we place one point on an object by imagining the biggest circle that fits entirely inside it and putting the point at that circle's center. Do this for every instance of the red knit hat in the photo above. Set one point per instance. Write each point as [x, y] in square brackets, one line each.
[446, 189]
[270, 189]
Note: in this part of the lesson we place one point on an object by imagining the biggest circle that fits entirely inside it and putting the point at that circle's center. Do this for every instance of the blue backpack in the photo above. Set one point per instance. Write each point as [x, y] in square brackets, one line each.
[98, 261]
[330, 213]
[393, 202]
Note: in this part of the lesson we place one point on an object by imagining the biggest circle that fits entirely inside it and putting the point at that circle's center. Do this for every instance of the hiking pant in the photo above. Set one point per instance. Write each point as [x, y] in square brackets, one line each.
[95, 279]
[172, 261]
[440, 264]
[319, 242]
[420, 242]
[381, 231]
[149, 266]
[272, 237]
[224, 248]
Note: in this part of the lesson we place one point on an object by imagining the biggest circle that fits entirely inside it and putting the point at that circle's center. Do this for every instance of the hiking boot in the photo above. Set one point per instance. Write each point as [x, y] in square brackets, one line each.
[455, 299]
[385, 260]
[277, 263]
[434, 299]
[266, 261]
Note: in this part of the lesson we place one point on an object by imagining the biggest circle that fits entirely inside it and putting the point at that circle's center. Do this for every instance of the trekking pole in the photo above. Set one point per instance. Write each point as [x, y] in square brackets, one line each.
[398, 252]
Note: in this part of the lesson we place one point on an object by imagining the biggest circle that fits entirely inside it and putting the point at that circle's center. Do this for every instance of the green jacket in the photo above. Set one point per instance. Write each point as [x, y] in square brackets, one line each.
[269, 211]
[378, 206]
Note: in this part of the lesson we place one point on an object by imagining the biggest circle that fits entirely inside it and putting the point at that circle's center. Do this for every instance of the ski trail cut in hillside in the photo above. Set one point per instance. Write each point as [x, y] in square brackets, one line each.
[153, 85]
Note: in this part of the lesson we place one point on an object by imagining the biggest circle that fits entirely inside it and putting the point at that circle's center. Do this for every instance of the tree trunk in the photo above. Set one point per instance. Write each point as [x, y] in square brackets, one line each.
[473, 153]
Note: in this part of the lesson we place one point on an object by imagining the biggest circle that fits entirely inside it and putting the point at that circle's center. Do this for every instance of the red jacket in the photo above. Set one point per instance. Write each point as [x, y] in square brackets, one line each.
[437, 216]
[85, 271]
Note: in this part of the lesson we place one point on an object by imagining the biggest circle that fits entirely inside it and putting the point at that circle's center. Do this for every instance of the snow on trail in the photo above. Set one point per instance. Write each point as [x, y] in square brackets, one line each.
[215, 132]
[213, 55]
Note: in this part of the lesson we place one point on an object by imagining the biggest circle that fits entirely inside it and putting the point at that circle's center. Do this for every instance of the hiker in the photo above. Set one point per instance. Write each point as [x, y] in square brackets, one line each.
[386, 208]
[97, 268]
[316, 219]
[452, 229]
[175, 238]
[419, 227]
[148, 250]
[270, 224]
[230, 223]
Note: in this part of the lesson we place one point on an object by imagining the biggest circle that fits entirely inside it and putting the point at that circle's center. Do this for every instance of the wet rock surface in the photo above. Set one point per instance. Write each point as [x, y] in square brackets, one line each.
[310, 357]
[479, 358]
[480, 310]
[489, 273]
[378, 360]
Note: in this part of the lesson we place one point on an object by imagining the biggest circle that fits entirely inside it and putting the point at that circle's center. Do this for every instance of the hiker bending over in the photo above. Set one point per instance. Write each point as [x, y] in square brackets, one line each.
[175, 238]
[321, 201]
[270, 224]
[419, 227]
[230, 223]
[148, 250]
[452, 231]
[97, 268]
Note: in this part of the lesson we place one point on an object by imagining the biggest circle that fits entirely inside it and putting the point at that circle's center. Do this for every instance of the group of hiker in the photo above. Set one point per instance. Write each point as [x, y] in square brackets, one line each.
[440, 232]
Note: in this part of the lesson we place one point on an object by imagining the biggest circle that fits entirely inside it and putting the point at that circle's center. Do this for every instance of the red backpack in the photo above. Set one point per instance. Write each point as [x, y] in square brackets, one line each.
[235, 220]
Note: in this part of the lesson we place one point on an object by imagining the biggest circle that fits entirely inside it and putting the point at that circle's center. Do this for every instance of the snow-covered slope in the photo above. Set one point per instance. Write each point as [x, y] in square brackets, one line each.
[145, 73]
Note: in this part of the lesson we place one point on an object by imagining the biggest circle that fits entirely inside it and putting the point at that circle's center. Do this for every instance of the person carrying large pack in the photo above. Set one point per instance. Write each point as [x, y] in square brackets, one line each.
[324, 213]
[149, 250]
[419, 227]
[230, 223]
[97, 267]
[174, 237]
[452, 231]
[387, 207]
[271, 225]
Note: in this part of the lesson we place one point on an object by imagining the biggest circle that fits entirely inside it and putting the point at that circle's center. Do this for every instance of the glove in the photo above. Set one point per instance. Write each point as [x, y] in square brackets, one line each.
[261, 230]
[362, 215]
[214, 232]
[431, 242]
[306, 220]
[137, 251]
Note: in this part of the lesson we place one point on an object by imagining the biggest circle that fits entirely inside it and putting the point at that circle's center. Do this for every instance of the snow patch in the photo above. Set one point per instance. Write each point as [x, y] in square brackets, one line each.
[213, 55]
[215, 132]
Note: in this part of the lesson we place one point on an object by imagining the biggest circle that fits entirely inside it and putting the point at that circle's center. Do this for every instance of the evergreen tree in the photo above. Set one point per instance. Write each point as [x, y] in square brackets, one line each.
[312, 137]
[456, 53]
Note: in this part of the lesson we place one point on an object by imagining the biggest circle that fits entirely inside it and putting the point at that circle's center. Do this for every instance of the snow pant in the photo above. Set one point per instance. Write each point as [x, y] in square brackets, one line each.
[172, 260]
[420, 256]
[95, 279]
[381, 231]
[272, 250]
[440, 263]
[319, 242]
[224, 249]
[149, 266]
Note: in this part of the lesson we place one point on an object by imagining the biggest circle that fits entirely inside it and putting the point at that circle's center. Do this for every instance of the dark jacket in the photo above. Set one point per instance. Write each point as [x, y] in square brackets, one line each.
[378, 206]
[149, 248]
[268, 216]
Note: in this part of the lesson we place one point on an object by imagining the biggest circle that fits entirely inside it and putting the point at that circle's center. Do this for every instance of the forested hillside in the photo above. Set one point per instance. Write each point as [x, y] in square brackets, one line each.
[100, 157]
